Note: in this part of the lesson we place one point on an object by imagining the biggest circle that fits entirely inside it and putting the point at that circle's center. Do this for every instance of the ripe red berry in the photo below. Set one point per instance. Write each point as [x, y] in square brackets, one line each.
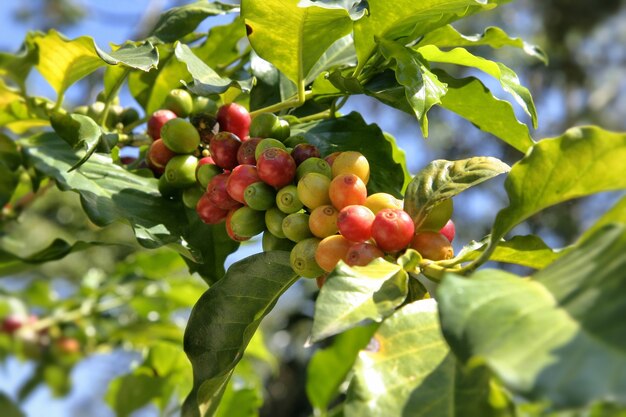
[223, 148]
[239, 179]
[276, 167]
[392, 229]
[355, 223]
[157, 120]
[234, 118]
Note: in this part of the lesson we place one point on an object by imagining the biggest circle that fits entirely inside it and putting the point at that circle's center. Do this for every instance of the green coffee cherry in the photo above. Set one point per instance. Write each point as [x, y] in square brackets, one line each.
[287, 199]
[259, 196]
[302, 258]
[180, 171]
[274, 222]
[296, 227]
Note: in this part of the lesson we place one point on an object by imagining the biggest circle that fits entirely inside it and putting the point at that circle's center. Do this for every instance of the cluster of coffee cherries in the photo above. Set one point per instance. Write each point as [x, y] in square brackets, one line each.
[256, 177]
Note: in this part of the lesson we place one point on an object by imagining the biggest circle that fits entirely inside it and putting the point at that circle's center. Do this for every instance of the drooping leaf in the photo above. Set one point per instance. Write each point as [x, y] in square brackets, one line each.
[407, 20]
[144, 56]
[80, 132]
[329, 367]
[303, 33]
[567, 317]
[356, 8]
[583, 161]
[493, 36]
[351, 295]
[409, 371]
[177, 22]
[205, 80]
[422, 87]
[441, 180]
[469, 98]
[350, 132]
[224, 320]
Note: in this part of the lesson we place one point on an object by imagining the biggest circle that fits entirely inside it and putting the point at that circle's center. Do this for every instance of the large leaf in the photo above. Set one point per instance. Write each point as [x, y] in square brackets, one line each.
[568, 318]
[441, 180]
[407, 20]
[583, 161]
[351, 295]
[303, 33]
[422, 87]
[408, 371]
[224, 320]
[352, 133]
[469, 98]
[177, 22]
[447, 37]
[506, 76]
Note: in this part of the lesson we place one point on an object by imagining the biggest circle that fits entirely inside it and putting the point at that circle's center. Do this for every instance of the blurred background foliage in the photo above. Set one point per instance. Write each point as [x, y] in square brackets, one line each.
[127, 307]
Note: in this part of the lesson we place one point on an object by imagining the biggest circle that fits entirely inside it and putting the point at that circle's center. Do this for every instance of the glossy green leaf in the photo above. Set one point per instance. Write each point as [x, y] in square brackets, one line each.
[422, 87]
[143, 56]
[407, 20]
[507, 77]
[493, 36]
[205, 80]
[177, 22]
[583, 161]
[568, 318]
[356, 8]
[470, 99]
[409, 371]
[441, 180]
[224, 320]
[329, 367]
[352, 295]
[303, 33]
[350, 132]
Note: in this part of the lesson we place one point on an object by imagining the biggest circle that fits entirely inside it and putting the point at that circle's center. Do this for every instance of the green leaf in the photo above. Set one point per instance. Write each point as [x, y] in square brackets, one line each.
[356, 8]
[506, 76]
[224, 320]
[142, 56]
[441, 180]
[80, 132]
[177, 22]
[407, 20]
[448, 37]
[351, 295]
[329, 367]
[583, 161]
[205, 80]
[303, 33]
[408, 371]
[568, 317]
[350, 132]
[422, 87]
[469, 98]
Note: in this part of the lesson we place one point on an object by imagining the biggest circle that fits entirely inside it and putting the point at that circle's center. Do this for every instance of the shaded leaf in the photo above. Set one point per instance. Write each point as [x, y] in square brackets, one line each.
[568, 317]
[506, 76]
[224, 320]
[469, 98]
[408, 371]
[303, 33]
[441, 180]
[351, 295]
[448, 37]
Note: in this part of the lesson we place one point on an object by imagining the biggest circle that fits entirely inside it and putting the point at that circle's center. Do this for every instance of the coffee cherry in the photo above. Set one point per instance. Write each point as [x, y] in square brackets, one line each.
[274, 222]
[331, 250]
[313, 165]
[223, 148]
[392, 229]
[287, 199]
[361, 254]
[432, 245]
[259, 196]
[246, 222]
[346, 190]
[240, 177]
[351, 162]
[323, 221]
[380, 201]
[355, 223]
[216, 190]
[304, 151]
[302, 258]
[266, 144]
[157, 120]
[296, 227]
[180, 171]
[313, 190]
[206, 170]
[209, 212]
[180, 136]
[179, 101]
[158, 156]
[246, 152]
[234, 118]
[276, 167]
[269, 242]
[448, 230]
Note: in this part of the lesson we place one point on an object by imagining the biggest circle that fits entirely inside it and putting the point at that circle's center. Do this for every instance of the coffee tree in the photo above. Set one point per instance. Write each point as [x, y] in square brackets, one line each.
[238, 134]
